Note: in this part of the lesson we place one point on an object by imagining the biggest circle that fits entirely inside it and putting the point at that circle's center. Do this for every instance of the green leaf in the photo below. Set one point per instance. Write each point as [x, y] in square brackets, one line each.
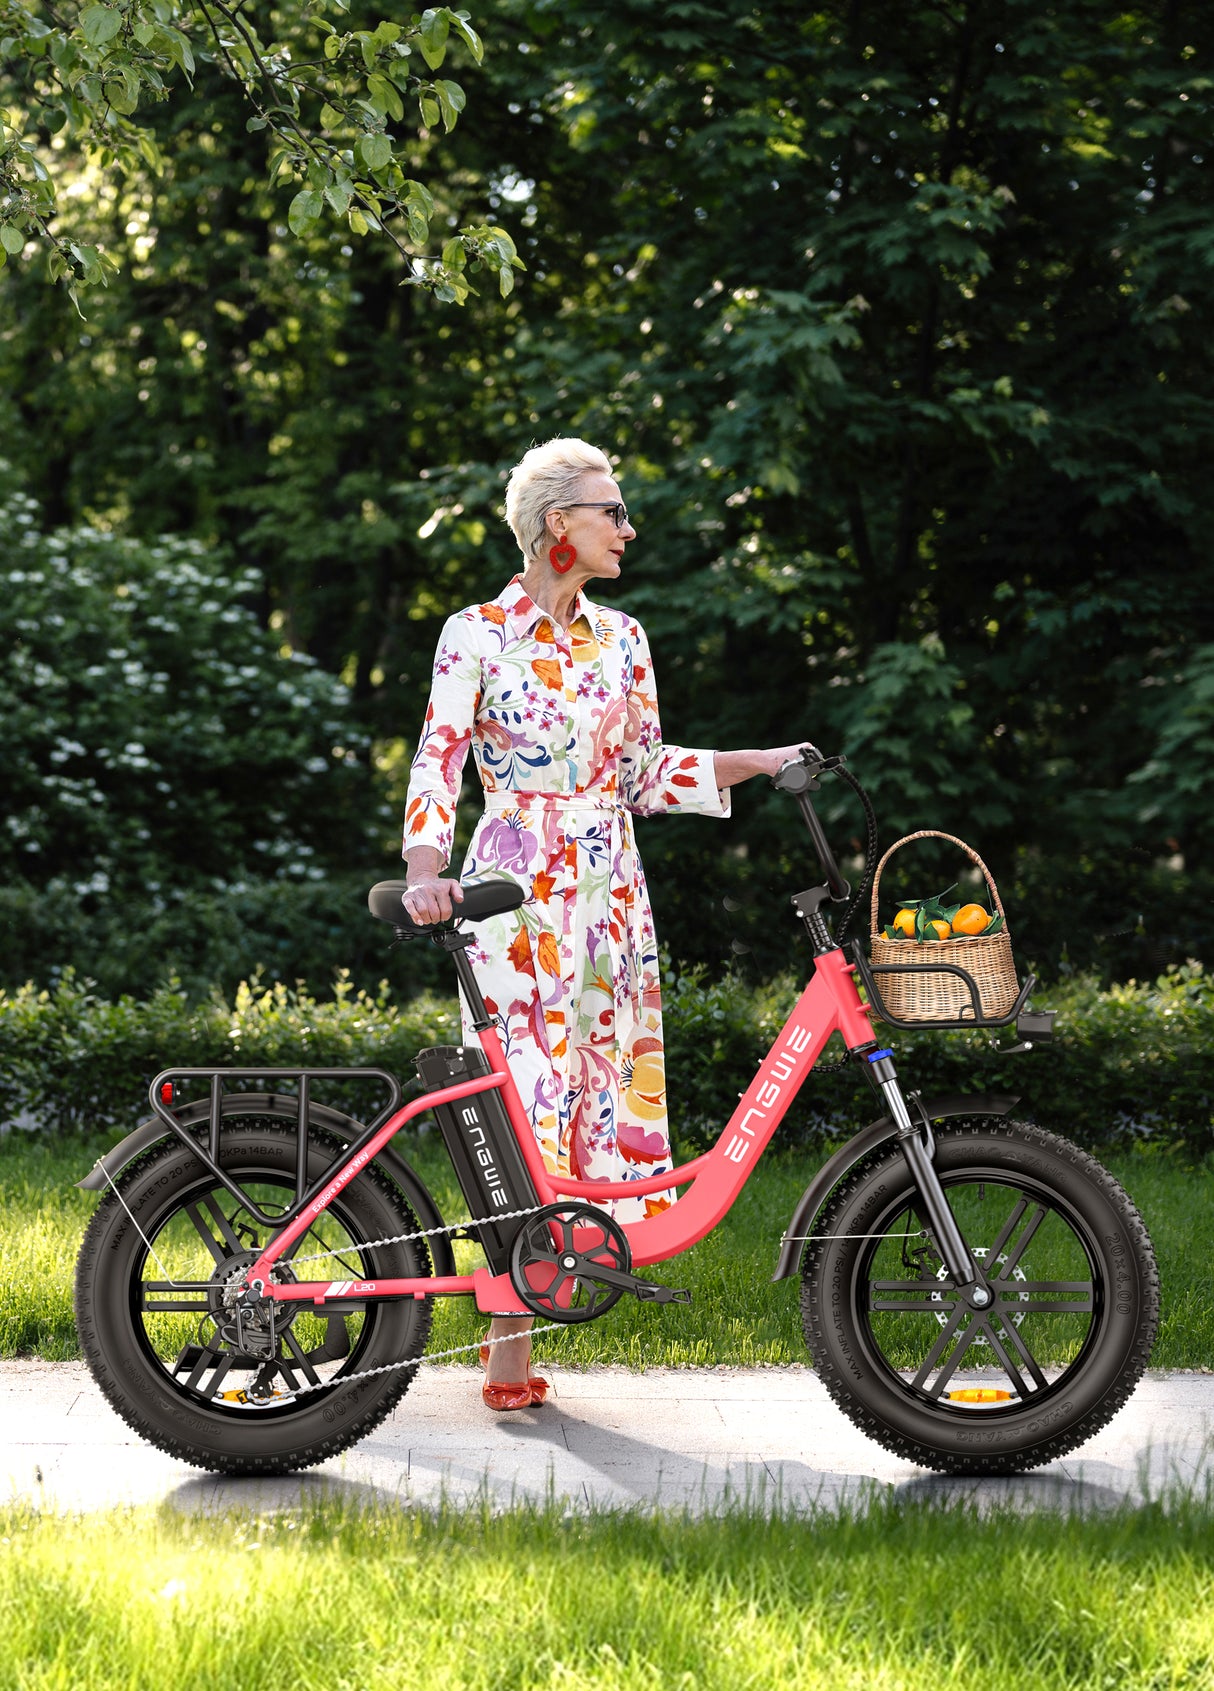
[254, 123]
[11, 240]
[995, 926]
[358, 222]
[330, 117]
[431, 111]
[454, 256]
[304, 211]
[3, 258]
[175, 44]
[338, 195]
[421, 198]
[385, 97]
[451, 100]
[435, 27]
[122, 91]
[334, 45]
[461, 26]
[375, 151]
[100, 24]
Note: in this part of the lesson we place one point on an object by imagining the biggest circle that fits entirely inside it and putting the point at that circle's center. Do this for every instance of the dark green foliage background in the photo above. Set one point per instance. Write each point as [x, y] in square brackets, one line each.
[1130, 1065]
[899, 320]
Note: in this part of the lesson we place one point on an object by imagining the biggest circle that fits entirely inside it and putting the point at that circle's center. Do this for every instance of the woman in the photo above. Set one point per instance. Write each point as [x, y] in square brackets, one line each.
[555, 694]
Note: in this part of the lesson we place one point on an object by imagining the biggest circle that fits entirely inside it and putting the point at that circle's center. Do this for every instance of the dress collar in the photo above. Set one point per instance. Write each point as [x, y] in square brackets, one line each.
[523, 614]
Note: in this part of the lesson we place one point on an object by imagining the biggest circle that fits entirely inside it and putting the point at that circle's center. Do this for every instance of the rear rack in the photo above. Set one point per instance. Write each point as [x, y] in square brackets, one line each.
[208, 1152]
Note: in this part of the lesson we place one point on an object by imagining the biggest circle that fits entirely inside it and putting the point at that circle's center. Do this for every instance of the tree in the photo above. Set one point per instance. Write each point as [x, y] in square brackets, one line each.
[899, 320]
[323, 94]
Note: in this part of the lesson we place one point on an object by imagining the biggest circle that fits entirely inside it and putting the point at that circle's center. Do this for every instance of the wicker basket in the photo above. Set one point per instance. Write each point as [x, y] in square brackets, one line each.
[928, 993]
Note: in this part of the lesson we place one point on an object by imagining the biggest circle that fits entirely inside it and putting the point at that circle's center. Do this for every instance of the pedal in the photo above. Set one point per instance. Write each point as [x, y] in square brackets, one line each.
[648, 1292]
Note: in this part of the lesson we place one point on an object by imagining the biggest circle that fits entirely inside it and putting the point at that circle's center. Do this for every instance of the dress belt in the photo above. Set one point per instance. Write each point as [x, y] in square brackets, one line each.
[553, 801]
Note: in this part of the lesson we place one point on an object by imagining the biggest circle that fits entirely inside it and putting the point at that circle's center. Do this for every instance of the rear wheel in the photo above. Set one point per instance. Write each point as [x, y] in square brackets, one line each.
[1076, 1301]
[176, 1364]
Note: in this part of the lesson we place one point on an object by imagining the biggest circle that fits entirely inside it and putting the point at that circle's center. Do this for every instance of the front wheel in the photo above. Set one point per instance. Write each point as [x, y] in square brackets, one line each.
[155, 1285]
[982, 1392]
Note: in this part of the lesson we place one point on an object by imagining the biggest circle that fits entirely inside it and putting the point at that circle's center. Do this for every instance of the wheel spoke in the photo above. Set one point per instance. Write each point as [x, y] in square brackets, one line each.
[227, 1237]
[335, 1346]
[184, 1297]
[1008, 1228]
[217, 1362]
[938, 1349]
[1022, 1243]
[1012, 1335]
[298, 1352]
[977, 1325]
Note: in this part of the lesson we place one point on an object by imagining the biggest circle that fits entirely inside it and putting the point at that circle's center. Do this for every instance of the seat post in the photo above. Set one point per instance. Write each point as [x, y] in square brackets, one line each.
[457, 944]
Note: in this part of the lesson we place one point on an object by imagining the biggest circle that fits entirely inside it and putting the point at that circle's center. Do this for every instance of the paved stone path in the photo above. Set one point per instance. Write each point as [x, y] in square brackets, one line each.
[607, 1437]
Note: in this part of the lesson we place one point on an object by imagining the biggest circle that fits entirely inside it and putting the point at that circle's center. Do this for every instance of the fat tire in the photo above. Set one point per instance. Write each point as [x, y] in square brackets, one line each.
[160, 1408]
[1088, 1392]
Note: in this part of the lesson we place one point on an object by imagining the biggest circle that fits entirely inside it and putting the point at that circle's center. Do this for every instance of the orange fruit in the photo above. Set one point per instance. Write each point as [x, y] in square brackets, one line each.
[904, 922]
[942, 929]
[971, 919]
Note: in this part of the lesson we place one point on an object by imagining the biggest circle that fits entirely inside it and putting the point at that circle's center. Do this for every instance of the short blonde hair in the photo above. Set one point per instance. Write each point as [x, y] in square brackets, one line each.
[544, 479]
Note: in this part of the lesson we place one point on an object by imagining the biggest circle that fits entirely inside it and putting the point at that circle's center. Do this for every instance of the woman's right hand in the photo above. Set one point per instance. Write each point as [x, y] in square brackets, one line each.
[431, 898]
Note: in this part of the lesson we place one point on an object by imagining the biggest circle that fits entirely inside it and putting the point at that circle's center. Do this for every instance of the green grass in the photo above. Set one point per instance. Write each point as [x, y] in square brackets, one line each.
[738, 1316]
[334, 1598]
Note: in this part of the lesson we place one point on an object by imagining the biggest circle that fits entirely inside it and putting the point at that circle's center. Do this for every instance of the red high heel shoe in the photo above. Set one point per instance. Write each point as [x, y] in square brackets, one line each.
[512, 1394]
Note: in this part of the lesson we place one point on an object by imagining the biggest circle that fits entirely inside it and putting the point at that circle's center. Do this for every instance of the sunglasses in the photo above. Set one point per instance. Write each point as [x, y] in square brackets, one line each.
[617, 513]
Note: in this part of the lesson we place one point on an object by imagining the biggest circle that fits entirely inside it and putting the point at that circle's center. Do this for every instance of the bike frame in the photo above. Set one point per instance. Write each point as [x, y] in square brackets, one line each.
[830, 1003]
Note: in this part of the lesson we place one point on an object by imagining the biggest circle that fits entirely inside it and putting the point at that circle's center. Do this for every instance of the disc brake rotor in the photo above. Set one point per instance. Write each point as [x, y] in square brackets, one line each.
[1015, 1316]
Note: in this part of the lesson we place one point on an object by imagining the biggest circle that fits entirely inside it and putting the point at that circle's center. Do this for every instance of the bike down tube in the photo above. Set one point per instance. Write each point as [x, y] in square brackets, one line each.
[828, 1004]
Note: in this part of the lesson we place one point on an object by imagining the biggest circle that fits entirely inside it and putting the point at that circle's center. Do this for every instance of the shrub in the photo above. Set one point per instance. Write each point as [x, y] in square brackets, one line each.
[1129, 1063]
[168, 765]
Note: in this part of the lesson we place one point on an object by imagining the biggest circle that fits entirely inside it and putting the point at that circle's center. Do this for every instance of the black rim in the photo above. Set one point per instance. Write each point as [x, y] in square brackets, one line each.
[1049, 1310]
[204, 1228]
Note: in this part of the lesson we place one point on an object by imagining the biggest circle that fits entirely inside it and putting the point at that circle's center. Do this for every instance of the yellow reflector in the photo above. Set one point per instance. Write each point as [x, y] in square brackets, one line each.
[980, 1394]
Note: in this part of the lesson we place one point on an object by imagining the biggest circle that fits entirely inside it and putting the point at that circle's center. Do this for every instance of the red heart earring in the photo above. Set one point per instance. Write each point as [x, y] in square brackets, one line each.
[562, 556]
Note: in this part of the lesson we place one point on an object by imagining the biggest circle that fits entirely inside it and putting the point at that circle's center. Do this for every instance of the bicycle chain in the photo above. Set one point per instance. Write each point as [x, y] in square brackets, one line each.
[425, 1233]
[438, 1356]
[430, 1233]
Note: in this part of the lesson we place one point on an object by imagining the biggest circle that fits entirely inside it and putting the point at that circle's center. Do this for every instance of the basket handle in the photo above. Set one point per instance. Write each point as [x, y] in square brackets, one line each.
[933, 834]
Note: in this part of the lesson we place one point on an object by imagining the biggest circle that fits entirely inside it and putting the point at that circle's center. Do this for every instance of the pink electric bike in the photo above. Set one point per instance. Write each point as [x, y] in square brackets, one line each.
[254, 1290]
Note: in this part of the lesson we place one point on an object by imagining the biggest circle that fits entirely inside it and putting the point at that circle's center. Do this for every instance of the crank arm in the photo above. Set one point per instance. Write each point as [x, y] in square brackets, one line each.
[648, 1291]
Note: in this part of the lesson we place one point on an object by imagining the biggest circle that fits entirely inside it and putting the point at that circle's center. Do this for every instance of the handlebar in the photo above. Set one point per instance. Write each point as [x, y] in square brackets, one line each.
[799, 778]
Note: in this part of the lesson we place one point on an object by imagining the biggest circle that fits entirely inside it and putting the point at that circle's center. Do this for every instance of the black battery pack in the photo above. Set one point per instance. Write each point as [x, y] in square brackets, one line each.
[483, 1149]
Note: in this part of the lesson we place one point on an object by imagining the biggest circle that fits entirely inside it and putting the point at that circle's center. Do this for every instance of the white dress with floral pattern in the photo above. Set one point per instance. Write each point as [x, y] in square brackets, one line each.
[565, 732]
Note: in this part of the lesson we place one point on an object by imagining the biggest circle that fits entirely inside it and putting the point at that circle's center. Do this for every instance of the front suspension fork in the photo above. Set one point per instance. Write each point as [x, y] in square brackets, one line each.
[915, 1144]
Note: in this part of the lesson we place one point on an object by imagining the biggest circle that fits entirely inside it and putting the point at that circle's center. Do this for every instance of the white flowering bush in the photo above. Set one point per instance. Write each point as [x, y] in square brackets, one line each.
[161, 756]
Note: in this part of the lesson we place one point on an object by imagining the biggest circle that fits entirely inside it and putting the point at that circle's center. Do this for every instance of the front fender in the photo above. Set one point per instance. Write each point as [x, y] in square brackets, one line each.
[847, 1156]
[391, 1163]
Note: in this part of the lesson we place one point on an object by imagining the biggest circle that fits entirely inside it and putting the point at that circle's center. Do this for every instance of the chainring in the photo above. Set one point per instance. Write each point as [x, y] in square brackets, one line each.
[553, 1258]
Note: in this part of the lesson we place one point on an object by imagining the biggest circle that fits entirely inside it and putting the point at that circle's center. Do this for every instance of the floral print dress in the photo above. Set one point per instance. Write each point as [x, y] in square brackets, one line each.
[564, 729]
